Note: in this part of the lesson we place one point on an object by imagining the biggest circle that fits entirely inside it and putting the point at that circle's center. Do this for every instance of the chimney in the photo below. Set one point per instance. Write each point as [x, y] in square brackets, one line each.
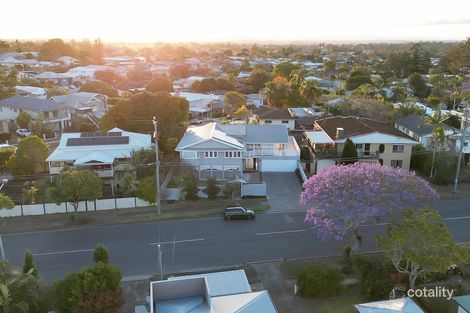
[339, 132]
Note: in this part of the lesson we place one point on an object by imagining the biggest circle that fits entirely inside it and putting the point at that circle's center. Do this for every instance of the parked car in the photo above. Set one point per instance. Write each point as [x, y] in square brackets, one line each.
[238, 213]
[23, 132]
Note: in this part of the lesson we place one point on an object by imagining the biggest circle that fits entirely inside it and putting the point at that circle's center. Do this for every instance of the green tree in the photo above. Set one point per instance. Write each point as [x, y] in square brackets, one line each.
[76, 185]
[23, 119]
[242, 113]
[276, 92]
[353, 82]
[28, 266]
[6, 154]
[100, 254]
[6, 202]
[310, 90]
[421, 244]
[212, 188]
[11, 80]
[159, 84]
[128, 184]
[30, 156]
[171, 144]
[189, 183]
[459, 57]
[19, 292]
[233, 100]
[98, 86]
[349, 154]
[93, 289]
[257, 79]
[40, 128]
[53, 49]
[146, 190]
[418, 85]
[284, 69]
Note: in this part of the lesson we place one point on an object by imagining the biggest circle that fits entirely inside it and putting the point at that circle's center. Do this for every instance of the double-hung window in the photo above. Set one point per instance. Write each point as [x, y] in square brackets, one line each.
[210, 154]
[398, 148]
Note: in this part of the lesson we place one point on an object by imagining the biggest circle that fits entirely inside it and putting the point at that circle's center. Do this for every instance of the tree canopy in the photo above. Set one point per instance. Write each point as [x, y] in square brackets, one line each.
[233, 100]
[159, 84]
[53, 49]
[421, 244]
[284, 69]
[101, 87]
[257, 79]
[347, 196]
[30, 156]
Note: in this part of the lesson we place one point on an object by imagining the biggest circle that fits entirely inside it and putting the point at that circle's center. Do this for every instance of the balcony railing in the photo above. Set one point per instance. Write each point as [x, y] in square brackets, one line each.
[263, 152]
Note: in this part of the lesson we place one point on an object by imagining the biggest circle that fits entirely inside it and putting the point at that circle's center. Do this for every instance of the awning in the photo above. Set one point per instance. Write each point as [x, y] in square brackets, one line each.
[97, 157]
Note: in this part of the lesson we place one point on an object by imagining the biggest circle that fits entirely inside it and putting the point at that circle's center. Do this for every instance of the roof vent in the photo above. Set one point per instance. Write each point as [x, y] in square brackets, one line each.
[339, 132]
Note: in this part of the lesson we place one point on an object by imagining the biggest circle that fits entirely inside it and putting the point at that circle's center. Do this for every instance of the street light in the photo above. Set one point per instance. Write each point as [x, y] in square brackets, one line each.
[159, 261]
[238, 180]
[4, 181]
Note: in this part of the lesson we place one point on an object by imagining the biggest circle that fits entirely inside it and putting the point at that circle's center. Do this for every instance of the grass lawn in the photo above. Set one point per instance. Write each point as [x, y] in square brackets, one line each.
[178, 210]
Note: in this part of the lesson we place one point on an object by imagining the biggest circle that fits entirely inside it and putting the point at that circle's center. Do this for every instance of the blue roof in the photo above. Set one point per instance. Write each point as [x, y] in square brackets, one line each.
[30, 104]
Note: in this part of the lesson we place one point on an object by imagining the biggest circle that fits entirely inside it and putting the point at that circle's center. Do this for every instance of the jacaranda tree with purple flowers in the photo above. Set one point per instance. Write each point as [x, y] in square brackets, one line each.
[342, 198]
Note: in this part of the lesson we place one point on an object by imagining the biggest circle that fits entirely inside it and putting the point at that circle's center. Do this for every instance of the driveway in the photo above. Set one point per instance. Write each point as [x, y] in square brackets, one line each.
[283, 191]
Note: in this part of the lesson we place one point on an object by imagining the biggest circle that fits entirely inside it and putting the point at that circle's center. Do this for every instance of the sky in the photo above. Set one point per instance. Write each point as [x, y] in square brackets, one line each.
[237, 20]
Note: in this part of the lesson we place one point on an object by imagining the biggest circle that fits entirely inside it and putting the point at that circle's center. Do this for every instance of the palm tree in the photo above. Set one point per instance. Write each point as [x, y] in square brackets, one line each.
[310, 90]
[365, 91]
[19, 292]
[275, 94]
[438, 138]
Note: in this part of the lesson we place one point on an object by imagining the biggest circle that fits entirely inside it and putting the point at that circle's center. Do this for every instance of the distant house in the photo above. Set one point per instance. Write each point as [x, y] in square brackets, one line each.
[185, 84]
[200, 104]
[226, 151]
[90, 71]
[254, 100]
[85, 104]
[414, 126]
[106, 153]
[67, 60]
[55, 114]
[401, 305]
[57, 78]
[292, 118]
[376, 142]
[274, 116]
[31, 91]
[220, 292]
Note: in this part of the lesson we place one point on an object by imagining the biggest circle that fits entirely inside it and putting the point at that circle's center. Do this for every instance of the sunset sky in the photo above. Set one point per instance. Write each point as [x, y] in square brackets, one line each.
[220, 20]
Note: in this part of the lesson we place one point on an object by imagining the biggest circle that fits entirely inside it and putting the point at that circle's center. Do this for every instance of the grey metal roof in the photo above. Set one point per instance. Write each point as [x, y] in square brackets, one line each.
[415, 123]
[30, 104]
[266, 134]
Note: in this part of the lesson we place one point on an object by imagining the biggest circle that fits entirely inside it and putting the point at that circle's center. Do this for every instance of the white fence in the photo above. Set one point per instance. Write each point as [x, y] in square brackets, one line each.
[253, 190]
[52, 208]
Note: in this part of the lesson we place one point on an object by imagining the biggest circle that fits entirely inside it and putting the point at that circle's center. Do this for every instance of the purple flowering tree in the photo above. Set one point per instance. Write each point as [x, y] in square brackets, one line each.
[342, 198]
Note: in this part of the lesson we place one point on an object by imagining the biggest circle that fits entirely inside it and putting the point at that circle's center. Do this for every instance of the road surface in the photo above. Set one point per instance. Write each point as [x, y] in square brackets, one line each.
[195, 244]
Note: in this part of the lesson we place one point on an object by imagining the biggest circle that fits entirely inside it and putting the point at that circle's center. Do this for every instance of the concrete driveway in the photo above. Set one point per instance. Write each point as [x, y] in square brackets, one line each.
[283, 191]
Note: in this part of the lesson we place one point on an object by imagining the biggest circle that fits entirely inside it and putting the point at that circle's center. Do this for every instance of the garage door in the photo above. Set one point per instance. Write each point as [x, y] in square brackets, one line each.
[278, 165]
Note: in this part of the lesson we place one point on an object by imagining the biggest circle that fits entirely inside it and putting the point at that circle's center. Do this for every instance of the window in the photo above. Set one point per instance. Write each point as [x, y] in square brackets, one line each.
[268, 121]
[210, 154]
[189, 155]
[396, 163]
[56, 114]
[285, 122]
[359, 146]
[233, 154]
[398, 148]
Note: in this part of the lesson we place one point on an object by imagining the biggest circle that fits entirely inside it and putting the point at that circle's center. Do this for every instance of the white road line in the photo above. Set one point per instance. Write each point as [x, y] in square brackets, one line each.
[282, 232]
[455, 218]
[176, 241]
[2, 250]
[63, 252]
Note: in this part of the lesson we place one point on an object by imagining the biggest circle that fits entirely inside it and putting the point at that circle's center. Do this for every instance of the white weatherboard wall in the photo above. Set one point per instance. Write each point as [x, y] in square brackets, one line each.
[53, 208]
[279, 165]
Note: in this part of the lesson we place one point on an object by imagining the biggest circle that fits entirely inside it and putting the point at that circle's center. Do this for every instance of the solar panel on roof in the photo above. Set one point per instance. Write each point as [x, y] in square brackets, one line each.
[100, 134]
[95, 141]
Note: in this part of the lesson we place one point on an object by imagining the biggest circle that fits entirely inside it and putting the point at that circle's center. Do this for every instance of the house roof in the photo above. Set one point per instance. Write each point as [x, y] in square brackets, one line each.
[266, 134]
[319, 137]
[463, 302]
[415, 123]
[199, 134]
[30, 104]
[357, 126]
[401, 305]
[73, 100]
[98, 151]
[274, 114]
[51, 75]
[223, 283]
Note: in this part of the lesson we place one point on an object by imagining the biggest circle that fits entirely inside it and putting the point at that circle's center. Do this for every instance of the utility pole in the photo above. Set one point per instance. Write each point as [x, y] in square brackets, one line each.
[463, 128]
[157, 165]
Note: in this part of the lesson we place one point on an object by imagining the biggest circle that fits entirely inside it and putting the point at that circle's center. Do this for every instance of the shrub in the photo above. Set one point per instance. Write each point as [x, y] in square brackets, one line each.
[100, 254]
[346, 259]
[229, 188]
[374, 277]
[189, 183]
[319, 280]
[212, 188]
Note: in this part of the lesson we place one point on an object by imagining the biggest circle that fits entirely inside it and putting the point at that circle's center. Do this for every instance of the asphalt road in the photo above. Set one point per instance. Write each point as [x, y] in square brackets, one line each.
[195, 244]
